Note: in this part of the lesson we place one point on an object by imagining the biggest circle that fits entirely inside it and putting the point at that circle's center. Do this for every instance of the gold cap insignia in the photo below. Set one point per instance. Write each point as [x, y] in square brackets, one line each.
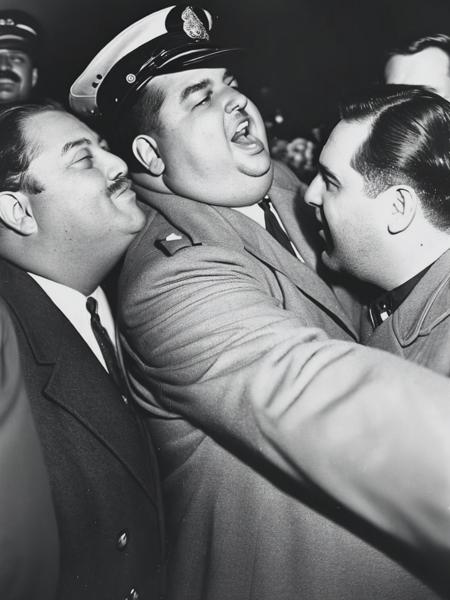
[192, 26]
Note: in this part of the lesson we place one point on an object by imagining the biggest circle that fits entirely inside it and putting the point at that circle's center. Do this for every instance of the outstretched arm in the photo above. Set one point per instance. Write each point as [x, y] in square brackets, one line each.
[211, 342]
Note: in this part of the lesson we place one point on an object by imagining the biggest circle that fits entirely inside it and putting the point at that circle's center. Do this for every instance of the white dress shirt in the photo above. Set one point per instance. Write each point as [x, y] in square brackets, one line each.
[73, 305]
[256, 213]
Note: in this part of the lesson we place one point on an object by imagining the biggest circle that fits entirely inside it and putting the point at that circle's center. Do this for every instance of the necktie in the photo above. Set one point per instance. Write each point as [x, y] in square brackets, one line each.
[379, 312]
[106, 346]
[273, 226]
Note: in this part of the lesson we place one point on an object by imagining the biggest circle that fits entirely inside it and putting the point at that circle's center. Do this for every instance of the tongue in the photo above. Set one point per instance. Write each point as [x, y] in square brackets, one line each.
[246, 140]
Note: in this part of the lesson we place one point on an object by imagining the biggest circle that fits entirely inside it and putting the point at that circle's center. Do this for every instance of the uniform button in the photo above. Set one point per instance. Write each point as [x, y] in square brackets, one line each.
[122, 540]
[134, 595]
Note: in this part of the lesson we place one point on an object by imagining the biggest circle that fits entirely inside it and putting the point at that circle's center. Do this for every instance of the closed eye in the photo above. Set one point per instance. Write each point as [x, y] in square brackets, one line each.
[83, 160]
[204, 100]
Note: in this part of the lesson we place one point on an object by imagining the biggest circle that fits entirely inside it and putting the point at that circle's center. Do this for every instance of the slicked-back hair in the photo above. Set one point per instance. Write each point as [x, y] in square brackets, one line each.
[412, 46]
[408, 144]
[16, 152]
[141, 117]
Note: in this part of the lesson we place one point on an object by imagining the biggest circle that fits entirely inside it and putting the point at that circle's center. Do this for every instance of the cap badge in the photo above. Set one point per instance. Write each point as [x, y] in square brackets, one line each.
[192, 26]
[7, 22]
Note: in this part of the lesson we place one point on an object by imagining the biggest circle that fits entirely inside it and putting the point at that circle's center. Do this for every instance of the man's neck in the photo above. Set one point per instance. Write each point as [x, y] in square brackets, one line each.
[81, 273]
[413, 260]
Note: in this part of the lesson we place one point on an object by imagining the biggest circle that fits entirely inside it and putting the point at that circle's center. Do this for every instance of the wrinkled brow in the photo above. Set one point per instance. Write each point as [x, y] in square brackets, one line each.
[75, 144]
[80, 142]
[196, 87]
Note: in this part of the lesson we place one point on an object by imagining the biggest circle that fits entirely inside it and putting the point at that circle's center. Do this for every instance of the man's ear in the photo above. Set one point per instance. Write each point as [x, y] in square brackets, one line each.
[403, 204]
[145, 149]
[34, 77]
[16, 213]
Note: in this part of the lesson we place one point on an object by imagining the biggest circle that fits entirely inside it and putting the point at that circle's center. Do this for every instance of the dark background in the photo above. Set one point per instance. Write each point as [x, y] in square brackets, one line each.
[306, 52]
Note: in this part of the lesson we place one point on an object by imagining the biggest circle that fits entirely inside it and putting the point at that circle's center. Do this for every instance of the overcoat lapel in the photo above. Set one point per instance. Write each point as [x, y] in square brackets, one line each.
[425, 307]
[264, 247]
[204, 223]
[56, 343]
[297, 217]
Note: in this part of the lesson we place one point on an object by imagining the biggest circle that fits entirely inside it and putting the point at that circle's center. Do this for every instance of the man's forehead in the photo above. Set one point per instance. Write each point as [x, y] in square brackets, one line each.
[181, 78]
[6, 50]
[53, 130]
[420, 68]
[342, 144]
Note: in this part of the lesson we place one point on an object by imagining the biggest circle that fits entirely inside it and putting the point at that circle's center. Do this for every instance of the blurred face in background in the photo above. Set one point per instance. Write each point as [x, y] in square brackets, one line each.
[18, 76]
[429, 67]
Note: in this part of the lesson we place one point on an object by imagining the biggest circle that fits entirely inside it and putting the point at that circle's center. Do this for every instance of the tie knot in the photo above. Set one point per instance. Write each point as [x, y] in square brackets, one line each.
[265, 203]
[91, 305]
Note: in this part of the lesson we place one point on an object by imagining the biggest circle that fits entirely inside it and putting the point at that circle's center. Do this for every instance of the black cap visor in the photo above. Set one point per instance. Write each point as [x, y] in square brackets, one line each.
[113, 98]
[12, 42]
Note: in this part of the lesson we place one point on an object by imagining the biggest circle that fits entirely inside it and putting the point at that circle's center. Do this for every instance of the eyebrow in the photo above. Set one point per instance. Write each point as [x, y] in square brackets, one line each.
[77, 143]
[196, 87]
[327, 174]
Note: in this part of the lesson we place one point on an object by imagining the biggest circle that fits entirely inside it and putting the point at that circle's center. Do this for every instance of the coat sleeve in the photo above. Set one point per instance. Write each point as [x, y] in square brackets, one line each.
[210, 342]
[28, 535]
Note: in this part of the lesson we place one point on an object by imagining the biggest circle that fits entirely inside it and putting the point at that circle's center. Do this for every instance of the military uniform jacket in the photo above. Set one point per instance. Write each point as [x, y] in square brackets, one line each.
[100, 464]
[419, 329]
[216, 314]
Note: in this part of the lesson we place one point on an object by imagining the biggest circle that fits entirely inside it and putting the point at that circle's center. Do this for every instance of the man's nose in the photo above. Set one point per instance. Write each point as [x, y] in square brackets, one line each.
[313, 195]
[5, 61]
[235, 100]
[115, 167]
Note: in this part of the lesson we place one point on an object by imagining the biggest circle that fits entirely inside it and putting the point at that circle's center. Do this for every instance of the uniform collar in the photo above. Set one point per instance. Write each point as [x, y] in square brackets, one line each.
[203, 223]
[386, 303]
[426, 305]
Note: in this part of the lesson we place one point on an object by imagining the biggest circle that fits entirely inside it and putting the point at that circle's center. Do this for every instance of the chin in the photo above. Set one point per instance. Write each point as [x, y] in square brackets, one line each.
[259, 166]
[259, 182]
[136, 221]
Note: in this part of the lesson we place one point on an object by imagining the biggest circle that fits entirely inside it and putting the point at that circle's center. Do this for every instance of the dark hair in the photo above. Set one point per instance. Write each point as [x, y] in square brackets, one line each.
[408, 143]
[140, 117]
[16, 152]
[412, 46]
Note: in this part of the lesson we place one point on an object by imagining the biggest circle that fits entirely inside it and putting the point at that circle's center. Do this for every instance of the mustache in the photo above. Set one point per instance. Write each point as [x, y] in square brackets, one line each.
[118, 185]
[8, 74]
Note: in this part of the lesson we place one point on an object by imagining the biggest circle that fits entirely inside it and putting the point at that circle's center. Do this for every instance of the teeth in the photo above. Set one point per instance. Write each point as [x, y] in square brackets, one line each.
[242, 127]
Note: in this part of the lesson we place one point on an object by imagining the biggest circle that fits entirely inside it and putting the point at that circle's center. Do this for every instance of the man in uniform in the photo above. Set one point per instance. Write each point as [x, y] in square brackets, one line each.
[220, 307]
[19, 42]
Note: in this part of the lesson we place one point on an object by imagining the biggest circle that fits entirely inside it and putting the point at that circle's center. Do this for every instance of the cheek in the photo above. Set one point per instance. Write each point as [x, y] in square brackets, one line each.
[259, 123]
[200, 151]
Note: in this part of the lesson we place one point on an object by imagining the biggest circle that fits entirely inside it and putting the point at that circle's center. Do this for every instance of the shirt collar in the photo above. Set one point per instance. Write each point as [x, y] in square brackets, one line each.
[72, 304]
[388, 302]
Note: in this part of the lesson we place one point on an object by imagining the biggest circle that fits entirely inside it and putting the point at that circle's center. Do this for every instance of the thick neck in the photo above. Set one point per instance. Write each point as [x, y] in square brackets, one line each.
[408, 260]
[83, 270]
